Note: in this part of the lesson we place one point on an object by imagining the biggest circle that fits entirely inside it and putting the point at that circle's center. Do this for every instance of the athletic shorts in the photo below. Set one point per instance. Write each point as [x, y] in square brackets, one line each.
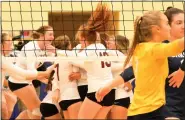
[108, 100]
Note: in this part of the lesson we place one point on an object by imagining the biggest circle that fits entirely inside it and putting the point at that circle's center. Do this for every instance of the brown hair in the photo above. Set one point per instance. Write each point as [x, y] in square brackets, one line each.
[170, 12]
[96, 23]
[50, 79]
[41, 31]
[142, 30]
[61, 42]
[122, 43]
[104, 37]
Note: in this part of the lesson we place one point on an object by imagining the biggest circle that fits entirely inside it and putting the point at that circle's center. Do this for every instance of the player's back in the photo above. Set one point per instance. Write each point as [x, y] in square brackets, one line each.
[98, 71]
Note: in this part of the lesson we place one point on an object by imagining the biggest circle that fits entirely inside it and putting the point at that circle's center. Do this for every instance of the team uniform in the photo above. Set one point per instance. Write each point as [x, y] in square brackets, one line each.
[48, 107]
[82, 82]
[68, 89]
[175, 97]
[149, 93]
[15, 71]
[31, 49]
[98, 73]
[122, 97]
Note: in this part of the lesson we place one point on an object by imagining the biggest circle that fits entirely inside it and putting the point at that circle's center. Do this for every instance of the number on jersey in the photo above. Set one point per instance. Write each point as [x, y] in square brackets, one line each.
[103, 63]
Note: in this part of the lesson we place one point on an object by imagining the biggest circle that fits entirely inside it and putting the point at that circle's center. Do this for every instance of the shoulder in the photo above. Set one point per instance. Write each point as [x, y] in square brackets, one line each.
[29, 46]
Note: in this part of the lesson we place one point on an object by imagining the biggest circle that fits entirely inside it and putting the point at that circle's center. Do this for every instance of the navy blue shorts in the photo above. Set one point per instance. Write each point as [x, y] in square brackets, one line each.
[123, 102]
[108, 100]
[16, 86]
[64, 104]
[83, 91]
[48, 109]
[154, 115]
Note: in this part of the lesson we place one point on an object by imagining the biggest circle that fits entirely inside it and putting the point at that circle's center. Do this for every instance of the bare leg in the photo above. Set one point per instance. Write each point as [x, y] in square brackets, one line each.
[102, 114]
[73, 110]
[32, 102]
[88, 105]
[118, 112]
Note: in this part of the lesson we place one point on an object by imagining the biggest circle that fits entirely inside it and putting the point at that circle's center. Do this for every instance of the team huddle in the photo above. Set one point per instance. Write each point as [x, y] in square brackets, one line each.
[101, 89]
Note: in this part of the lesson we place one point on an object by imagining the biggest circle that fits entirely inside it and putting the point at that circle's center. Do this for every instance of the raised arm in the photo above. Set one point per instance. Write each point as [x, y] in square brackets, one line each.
[162, 50]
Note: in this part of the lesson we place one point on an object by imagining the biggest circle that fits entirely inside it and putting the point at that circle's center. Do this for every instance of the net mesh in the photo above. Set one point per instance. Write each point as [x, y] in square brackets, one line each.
[22, 19]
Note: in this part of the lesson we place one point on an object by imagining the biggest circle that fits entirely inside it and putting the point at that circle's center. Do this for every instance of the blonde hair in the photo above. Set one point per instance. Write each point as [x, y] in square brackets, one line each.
[143, 30]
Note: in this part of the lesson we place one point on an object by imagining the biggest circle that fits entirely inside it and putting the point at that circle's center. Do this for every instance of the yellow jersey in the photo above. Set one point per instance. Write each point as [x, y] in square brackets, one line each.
[151, 69]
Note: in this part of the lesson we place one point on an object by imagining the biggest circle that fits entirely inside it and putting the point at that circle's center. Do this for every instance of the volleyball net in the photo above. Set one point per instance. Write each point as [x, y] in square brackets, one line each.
[21, 19]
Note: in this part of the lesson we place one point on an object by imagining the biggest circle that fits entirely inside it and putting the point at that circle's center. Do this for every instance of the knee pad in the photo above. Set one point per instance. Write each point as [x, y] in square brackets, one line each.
[48, 109]
[36, 112]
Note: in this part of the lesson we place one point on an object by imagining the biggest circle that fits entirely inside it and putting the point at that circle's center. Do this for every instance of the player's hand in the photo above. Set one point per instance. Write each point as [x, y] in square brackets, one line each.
[102, 92]
[44, 80]
[46, 76]
[128, 86]
[74, 76]
[176, 78]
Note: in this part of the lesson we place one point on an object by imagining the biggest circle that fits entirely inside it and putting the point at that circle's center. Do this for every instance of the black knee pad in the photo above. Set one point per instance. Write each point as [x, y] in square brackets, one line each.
[48, 109]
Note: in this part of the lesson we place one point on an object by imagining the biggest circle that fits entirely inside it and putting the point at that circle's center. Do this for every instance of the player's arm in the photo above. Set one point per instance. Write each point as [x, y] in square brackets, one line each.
[20, 73]
[177, 77]
[163, 50]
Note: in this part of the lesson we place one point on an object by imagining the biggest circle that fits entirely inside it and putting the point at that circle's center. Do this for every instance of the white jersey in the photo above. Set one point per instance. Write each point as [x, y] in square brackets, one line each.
[98, 72]
[83, 79]
[31, 49]
[117, 69]
[15, 71]
[68, 89]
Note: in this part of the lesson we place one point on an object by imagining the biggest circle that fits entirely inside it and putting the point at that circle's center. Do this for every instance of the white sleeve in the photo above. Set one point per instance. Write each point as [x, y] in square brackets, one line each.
[17, 72]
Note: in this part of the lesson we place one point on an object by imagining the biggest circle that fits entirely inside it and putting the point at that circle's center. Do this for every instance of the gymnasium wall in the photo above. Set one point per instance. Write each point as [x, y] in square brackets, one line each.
[31, 15]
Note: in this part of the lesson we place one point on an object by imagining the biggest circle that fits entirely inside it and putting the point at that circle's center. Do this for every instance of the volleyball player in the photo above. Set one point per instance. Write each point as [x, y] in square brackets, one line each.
[98, 72]
[64, 91]
[175, 98]
[148, 54]
[119, 45]
[15, 72]
[42, 39]
[80, 76]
